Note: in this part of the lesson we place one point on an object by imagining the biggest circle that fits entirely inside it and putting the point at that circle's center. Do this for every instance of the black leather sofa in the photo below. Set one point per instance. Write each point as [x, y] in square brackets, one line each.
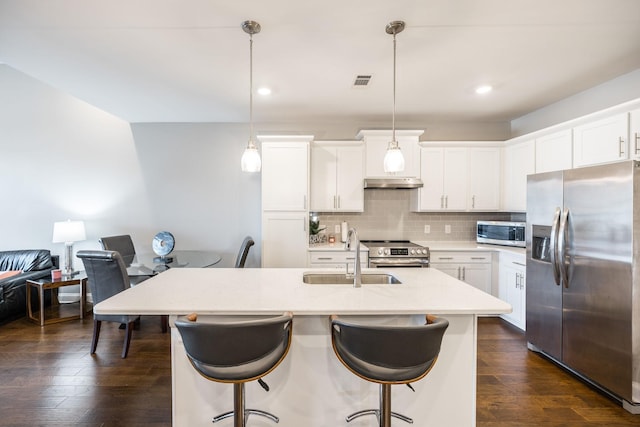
[34, 264]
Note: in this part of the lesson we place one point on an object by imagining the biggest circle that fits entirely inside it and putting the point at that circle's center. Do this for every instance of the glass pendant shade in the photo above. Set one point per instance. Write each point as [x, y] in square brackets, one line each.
[393, 159]
[250, 161]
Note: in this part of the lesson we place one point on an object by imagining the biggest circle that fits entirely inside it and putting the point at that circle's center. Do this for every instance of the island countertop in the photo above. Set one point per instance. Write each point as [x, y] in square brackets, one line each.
[273, 290]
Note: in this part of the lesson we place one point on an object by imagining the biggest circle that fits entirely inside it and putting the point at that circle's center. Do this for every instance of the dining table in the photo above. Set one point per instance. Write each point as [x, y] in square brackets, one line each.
[150, 264]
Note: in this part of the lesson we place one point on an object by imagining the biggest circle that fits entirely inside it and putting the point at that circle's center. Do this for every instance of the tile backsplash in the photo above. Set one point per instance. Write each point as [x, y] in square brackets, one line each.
[387, 216]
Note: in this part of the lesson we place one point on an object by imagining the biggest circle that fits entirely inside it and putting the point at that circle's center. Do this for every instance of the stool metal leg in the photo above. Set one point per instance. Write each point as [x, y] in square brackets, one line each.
[240, 414]
[383, 414]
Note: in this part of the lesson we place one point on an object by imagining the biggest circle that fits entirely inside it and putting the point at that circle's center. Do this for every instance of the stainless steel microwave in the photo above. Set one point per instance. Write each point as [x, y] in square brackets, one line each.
[501, 233]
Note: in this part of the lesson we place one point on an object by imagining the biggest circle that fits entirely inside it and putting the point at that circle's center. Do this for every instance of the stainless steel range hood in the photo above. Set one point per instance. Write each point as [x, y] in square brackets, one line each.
[393, 183]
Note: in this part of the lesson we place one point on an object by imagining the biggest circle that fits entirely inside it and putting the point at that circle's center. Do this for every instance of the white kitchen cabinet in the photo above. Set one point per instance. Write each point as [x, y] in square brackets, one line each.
[444, 174]
[474, 268]
[337, 259]
[483, 179]
[376, 142]
[337, 173]
[601, 141]
[634, 134]
[284, 239]
[519, 161]
[512, 287]
[554, 152]
[285, 187]
[285, 176]
[458, 178]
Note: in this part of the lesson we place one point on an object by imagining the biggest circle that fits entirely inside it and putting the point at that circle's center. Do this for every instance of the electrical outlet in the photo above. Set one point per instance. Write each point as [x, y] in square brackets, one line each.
[336, 228]
[427, 229]
[447, 229]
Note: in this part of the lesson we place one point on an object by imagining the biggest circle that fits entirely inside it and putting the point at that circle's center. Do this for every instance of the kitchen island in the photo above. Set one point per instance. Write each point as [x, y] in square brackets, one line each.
[311, 387]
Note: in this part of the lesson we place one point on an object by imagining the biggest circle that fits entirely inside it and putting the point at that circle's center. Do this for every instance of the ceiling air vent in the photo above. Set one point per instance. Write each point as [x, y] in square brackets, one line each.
[362, 80]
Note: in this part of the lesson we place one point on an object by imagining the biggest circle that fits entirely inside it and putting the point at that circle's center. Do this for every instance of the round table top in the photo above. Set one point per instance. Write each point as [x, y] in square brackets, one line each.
[150, 264]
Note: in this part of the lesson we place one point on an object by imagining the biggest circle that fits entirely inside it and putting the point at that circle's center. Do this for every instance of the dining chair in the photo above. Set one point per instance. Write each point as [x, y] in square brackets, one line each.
[244, 251]
[107, 276]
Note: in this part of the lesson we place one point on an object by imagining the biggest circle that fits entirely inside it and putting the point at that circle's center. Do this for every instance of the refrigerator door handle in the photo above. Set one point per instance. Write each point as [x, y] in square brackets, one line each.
[562, 247]
[553, 250]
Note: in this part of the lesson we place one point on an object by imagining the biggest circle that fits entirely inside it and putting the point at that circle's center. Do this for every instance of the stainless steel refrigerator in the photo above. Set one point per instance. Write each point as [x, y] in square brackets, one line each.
[583, 274]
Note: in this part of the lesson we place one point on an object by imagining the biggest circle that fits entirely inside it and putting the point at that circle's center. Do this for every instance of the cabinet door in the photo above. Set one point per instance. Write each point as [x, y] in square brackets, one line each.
[477, 275]
[455, 179]
[634, 134]
[285, 176]
[284, 240]
[554, 152]
[452, 270]
[484, 178]
[323, 178]
[601, 141]
[349, 179]
[519, 161]
[512, 284]
[431, 196]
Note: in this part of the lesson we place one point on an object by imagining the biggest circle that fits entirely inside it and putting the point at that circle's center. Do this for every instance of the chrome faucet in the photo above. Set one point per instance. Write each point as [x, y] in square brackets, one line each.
[352, 236]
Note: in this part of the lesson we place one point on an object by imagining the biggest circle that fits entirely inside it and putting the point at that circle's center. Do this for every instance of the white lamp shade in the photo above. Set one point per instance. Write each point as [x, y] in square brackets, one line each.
[393, 160]
[250, 161]
[68, 231]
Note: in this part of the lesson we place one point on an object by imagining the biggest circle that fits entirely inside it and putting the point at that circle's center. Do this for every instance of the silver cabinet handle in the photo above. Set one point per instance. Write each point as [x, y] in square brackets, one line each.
[334, 202]
[473, 202]
[464, 273]
[478, 257]
[446, 202]
[458, 273]
[519, 263]
[636, 138]
[442, 202]
[621, 144]
[445, 257]
[325, 258]
[339, 202]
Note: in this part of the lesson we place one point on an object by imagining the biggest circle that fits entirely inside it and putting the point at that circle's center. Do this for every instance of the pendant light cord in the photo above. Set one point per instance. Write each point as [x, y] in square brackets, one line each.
[251, 90]
[393, 121]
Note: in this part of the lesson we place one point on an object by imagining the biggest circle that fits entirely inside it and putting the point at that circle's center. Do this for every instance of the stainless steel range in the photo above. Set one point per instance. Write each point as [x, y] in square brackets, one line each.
[396, 253]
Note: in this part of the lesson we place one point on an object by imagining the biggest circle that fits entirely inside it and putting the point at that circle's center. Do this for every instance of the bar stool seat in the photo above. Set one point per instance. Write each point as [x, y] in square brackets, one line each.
[236, 349]
[387, 354]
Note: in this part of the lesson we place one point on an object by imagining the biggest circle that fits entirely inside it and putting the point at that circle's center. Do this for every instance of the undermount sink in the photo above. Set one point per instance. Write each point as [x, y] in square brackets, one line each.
[342, 279]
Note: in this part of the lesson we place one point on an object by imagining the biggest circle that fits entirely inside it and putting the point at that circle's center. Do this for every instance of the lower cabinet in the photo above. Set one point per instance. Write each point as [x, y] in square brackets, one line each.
[473, 268]
[284, 239]
[337, 259]
[511, 285]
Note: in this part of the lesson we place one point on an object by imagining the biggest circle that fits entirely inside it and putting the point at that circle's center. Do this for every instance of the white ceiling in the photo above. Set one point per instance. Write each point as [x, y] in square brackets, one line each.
[188, 61]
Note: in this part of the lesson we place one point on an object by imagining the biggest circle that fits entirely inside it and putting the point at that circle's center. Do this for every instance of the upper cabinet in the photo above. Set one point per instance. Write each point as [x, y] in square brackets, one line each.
[337, 174]
[458, 178]
[484, 179]
[376, 142]
[444, 174]
[519, 161]
[285, 173]
[554, 152]
[634, 134]
[601, 141]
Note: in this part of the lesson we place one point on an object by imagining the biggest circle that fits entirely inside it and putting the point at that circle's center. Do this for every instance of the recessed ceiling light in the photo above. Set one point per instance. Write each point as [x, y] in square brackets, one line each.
[264, 91]
[484, 89]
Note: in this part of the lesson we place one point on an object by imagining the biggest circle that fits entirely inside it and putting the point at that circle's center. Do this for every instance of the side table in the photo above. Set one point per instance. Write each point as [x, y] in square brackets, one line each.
[42, 285]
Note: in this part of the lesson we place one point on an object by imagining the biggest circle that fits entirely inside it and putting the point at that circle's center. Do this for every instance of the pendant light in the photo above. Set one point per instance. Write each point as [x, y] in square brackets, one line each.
[250, 161]
[393, 159]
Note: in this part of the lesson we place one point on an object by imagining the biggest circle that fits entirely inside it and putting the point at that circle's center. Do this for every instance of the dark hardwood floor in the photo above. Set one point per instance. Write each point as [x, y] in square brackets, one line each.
[48, 378]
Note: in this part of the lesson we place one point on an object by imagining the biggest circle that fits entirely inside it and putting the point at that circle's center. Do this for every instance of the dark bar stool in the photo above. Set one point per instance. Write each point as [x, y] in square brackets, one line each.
[387, 354]
[236, 350]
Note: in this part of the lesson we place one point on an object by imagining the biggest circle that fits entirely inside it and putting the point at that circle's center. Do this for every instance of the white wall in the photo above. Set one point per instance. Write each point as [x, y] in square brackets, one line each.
[61, 158]
[609, 94]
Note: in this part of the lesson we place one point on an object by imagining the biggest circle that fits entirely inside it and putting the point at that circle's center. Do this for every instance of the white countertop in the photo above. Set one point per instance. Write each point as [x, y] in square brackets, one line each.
[468, 246]
[272, 290]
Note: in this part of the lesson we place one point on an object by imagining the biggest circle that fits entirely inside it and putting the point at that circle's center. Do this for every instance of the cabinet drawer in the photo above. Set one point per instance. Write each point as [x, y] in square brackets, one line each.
[336, 257]
[441, 257]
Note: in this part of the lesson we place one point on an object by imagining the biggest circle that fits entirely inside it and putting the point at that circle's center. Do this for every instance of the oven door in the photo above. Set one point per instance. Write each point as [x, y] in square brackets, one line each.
[398, 262]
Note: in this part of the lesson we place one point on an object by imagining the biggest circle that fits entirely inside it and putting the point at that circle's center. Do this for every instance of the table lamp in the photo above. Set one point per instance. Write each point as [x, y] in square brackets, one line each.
[68, 232]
